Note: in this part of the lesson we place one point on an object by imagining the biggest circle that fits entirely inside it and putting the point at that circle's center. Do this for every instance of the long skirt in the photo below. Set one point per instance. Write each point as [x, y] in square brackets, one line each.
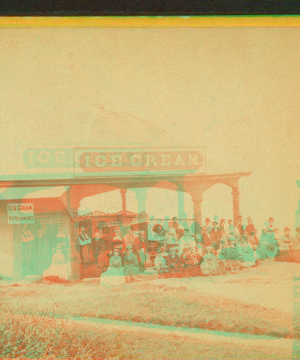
[209, 268]
[59, 271]
[285, 255]
[112, 278]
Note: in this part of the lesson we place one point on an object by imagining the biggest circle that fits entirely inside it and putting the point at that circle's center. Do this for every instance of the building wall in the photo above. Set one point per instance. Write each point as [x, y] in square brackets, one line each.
[6, 243]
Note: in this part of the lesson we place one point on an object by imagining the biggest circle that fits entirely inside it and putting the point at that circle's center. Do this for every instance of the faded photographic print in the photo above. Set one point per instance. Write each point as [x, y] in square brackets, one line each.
[149, 191]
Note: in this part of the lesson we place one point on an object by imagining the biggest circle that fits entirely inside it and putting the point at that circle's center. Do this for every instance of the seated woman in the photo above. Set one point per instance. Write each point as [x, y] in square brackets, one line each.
[209, 265]
[114, 275]
[245, 253]
[58, 268]
[268, 246]
[160, 261]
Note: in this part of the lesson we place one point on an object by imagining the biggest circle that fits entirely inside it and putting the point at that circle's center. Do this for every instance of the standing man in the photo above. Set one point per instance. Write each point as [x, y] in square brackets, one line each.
[84, 242]
[215, 233]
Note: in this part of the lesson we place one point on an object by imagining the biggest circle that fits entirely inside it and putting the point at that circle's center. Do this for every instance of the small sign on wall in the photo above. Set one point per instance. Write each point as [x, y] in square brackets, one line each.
[20, 213]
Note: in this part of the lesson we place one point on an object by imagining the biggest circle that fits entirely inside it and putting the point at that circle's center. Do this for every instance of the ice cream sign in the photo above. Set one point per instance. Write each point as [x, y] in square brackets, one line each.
[20, 213]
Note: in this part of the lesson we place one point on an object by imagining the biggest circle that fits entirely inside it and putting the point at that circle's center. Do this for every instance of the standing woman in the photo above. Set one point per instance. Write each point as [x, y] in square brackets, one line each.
[131, 265]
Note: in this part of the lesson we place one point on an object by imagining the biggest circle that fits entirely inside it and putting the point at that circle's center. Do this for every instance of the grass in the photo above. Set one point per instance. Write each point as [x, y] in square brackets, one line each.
[35, 339]
[26, 337]
[148, 304]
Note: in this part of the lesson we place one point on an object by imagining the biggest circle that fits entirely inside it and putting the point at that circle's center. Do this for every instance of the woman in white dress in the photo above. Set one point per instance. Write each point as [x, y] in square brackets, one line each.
[58, 268]
[114, 275]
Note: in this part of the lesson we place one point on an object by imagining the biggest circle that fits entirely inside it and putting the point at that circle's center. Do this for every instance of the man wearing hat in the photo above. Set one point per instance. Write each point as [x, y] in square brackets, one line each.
[206, 232]
[215, 234]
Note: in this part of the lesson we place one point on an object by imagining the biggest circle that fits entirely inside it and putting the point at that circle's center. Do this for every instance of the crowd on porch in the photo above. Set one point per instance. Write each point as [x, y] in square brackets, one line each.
[169, 248]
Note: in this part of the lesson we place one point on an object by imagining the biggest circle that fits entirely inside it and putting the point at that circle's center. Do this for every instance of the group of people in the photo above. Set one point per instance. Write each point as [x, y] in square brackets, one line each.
[170, 249]
[216, 248]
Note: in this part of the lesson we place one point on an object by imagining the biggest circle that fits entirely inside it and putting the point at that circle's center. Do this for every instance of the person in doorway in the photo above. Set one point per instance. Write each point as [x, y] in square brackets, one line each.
[131, 265]
[27, 249]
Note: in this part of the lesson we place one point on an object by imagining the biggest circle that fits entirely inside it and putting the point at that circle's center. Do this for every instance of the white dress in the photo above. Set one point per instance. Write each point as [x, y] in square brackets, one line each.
[58, 267]
[114, 275]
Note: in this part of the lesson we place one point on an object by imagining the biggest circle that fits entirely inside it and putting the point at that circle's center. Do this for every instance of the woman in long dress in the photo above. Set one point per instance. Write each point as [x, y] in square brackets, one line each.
[114, 275]
[58, 268]
[210, 265]
[131, 265]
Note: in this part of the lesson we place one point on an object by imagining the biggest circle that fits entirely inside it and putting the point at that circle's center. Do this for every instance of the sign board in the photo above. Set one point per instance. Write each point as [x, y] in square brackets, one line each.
[112, 160]
[20, 213]
[138, 161]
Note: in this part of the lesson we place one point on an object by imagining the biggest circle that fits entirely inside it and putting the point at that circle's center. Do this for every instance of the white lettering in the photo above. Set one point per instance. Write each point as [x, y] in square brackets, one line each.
[135, 160]
[60, 157]
[44, 157]
[114, 159]
[150, 158]
[193, 159]
[86, 160]
[166, 160]
[100, 163]
[179, 161]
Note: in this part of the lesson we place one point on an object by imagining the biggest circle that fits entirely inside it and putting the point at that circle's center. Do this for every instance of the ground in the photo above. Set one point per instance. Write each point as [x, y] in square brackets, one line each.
[246, 315]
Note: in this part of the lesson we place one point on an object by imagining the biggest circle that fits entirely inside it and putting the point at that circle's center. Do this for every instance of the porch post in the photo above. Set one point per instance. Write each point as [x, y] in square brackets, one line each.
[123, 194]
[74, 251]
[141, 195]
[236, 203]
[197, 199]
[180, 194]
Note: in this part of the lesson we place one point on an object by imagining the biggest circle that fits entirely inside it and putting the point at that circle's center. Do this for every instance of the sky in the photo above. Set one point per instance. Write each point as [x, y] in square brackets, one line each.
[233, 91]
